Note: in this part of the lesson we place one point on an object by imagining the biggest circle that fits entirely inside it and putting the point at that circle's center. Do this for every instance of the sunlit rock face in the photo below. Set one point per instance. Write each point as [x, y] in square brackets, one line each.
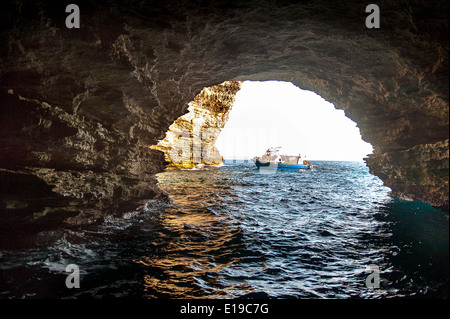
[80, 107]
[191, 139]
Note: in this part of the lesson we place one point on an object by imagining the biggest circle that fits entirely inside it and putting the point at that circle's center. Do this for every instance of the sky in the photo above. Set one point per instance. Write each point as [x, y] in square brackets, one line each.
[280, 114]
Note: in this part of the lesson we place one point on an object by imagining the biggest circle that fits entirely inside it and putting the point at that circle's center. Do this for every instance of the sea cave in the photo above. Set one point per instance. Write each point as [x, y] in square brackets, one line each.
[86, 111]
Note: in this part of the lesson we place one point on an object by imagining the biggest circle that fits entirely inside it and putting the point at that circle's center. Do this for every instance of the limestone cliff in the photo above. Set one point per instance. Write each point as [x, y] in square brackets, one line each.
[80, 107]
[191, 139]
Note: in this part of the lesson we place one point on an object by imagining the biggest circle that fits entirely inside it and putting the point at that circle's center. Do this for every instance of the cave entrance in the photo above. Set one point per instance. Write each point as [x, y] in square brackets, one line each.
[237, 120]
[279, 114]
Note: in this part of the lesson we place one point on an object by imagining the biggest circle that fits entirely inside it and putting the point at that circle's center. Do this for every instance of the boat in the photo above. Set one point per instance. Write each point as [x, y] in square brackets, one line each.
[273, 160]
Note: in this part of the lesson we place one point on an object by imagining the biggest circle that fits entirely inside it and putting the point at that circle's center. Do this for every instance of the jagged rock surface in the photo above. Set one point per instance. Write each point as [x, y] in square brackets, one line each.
[191, 139]
[81, 106]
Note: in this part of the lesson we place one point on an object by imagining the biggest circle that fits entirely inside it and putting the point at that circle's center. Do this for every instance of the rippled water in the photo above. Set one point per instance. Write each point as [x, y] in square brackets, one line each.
[235, 232]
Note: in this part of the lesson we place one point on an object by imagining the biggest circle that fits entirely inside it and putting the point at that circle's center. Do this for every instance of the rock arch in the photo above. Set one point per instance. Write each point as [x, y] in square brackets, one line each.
[81, 106]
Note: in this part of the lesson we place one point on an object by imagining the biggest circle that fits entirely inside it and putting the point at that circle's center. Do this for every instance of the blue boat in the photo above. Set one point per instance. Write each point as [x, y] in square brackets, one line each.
[272, 160]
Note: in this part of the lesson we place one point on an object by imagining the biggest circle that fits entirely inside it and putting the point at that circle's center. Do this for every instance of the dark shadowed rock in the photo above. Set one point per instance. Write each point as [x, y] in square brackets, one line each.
[80, 107]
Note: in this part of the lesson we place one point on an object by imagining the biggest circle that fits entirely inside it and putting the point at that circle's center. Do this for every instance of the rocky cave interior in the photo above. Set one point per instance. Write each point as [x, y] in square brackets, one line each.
[81, 107]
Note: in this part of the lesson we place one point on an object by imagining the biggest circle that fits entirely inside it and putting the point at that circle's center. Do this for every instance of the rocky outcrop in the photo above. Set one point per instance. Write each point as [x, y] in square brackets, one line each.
[80, 107]
[61, 167]
[191, 139]
[422, 174]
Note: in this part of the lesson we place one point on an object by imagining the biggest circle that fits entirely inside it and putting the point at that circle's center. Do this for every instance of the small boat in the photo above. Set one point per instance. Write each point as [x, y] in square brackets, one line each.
[273, 160]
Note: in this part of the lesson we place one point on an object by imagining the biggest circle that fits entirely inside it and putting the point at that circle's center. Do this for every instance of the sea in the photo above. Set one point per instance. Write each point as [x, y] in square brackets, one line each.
[332, 232]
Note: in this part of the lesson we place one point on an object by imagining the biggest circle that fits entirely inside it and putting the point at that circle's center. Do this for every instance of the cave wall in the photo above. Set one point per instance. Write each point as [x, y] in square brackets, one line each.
[80, 107]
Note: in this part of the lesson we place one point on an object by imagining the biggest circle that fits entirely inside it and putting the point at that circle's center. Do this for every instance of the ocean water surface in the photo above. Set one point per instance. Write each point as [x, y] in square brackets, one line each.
[235, 232]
